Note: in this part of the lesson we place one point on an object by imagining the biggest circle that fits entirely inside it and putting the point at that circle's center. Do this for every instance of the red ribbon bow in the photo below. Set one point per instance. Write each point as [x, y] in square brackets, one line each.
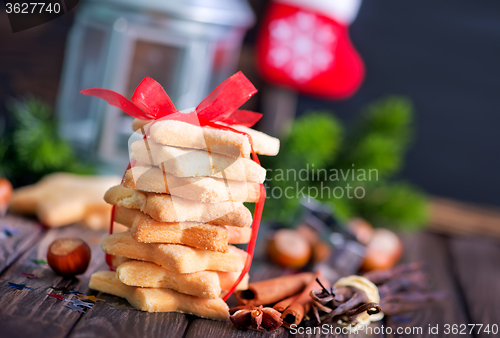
[151, 102]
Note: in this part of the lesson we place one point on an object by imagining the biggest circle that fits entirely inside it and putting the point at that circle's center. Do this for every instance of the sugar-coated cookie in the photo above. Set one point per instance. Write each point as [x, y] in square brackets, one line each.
[200, 189]
[174, 257]
[182, 162]
[168, 208]
[182, 134]
[159, 300]
[198, 235]
[144, 229]
[60, 199]
[205, 284]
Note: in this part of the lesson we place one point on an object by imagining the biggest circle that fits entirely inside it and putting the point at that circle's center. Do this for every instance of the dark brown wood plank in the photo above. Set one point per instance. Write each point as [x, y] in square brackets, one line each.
[32, 313]
[433, 250]
[477, 263]
[260, 271]
[375, 330]
[328, 330]
[17, 234]
[210, 328]
[105, 320]
[458, 218]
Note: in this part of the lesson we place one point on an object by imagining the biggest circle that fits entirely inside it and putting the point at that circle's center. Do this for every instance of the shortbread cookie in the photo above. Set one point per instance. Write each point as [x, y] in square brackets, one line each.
[60, 199]
[116, 261]
[227, 279]
[182, 162]
[197, 235]
[237, 235]
[200, 189]
[167, 208]
[159, 300]
[144, 229]
[182, 134]
[205, 284]
[263, 144]
[174, 257]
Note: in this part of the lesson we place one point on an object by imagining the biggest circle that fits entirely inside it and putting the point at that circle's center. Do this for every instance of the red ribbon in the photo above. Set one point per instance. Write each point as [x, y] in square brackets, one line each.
[259, 206]
[151, 102]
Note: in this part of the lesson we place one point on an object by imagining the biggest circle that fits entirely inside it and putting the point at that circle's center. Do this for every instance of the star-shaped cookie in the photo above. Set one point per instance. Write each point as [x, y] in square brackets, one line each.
[61, 198]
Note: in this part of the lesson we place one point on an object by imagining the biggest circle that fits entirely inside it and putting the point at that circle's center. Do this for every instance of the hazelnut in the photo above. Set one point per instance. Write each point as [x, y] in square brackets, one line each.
[5, 194]
[383, 251]
[361, 229]
[68, 256]
[289, 249]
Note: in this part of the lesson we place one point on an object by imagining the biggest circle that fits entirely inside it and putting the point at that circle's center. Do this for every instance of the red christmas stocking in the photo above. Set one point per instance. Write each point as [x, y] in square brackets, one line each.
[304, 44]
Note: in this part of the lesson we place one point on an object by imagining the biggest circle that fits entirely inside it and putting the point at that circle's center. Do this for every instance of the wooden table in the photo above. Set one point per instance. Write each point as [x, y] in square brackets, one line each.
[468, 268]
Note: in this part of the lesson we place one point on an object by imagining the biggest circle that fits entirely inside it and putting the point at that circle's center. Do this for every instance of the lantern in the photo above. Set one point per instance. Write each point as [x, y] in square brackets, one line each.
[189, 46]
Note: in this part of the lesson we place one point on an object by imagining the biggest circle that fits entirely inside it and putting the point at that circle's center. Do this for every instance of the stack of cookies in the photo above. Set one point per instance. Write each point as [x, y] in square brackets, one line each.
[183, 202]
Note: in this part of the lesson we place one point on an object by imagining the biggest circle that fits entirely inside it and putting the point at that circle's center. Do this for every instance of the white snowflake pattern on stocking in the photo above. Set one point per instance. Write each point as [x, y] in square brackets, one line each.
[302, 45]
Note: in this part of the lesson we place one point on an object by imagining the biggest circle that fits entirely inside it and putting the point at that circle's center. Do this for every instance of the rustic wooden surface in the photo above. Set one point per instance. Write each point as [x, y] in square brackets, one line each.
[477, 267]
[16, 237]
[27, 312]
[468, 269]
[458, 218]
[432, 249]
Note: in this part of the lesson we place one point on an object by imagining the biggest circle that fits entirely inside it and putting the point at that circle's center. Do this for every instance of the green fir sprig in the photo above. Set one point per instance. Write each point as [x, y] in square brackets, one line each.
[376, 145]
[31, 147]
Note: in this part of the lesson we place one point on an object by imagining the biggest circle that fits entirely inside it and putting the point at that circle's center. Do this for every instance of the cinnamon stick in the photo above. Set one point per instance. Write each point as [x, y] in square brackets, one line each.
[301, 303]
[273, 290]
[295, 313]
[282, 306]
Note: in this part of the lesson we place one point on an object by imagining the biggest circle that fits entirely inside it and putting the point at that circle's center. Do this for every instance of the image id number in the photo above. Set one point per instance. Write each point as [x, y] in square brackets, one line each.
[470, 329]
[32, 7]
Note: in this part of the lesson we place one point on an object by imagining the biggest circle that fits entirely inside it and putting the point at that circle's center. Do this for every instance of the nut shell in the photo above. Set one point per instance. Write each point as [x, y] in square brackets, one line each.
[289, 249]
[383, 251]
[69, 256]
[5, 194]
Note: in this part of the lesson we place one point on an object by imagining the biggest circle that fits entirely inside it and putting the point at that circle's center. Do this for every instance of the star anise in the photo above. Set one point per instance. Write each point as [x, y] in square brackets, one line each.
[255, 317]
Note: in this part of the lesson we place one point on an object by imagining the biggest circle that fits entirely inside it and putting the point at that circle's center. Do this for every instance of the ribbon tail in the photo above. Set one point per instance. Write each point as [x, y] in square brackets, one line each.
[119, 101]
[109, 258]
[253, 239]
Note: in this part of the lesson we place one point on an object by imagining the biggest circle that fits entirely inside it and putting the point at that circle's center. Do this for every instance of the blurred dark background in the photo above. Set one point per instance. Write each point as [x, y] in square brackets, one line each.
[442, 55]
